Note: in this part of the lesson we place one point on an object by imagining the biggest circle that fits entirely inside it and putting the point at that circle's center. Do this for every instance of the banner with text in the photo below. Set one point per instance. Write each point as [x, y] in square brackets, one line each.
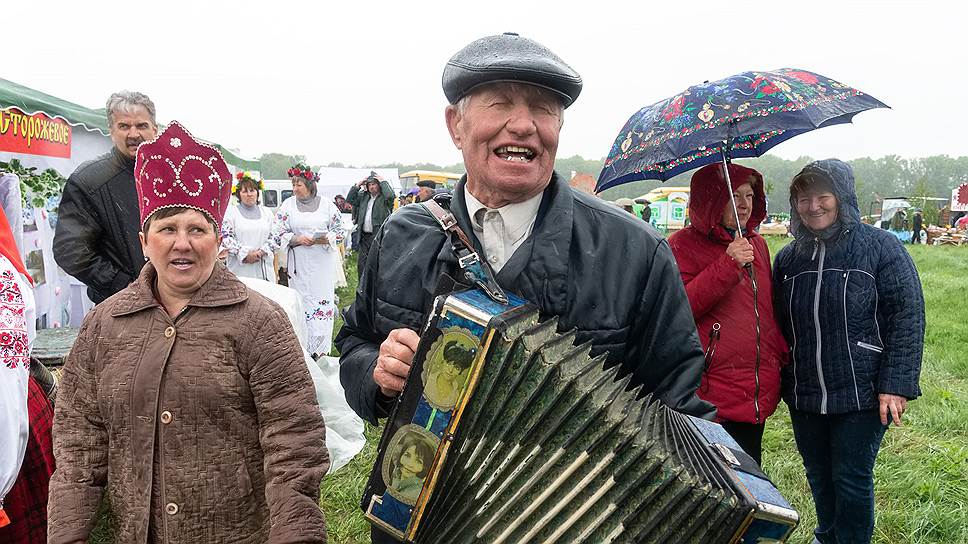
[35, 134]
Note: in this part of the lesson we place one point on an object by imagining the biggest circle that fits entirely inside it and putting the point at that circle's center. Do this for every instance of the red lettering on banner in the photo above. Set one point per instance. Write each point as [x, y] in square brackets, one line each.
[35, 134]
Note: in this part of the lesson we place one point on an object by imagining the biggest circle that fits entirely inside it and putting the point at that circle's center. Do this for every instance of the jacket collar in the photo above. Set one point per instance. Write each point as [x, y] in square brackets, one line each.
[122, 160]
[459, 209]
[552, 232]
[221, 289]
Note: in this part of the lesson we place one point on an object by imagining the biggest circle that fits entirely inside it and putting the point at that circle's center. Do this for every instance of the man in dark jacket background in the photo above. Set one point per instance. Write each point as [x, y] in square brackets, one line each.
[917, 224]
[372, 201]
[96, 240]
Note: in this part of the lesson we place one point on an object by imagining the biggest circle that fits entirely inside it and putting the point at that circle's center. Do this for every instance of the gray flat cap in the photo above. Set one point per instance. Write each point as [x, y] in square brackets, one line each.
[509, 58]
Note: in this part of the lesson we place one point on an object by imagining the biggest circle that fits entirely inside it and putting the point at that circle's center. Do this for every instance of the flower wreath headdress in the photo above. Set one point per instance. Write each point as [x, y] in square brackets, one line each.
[247, 175]
[303, 171]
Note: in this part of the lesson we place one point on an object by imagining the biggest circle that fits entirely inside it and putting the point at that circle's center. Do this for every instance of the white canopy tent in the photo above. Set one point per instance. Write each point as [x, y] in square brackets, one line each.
[337, 181]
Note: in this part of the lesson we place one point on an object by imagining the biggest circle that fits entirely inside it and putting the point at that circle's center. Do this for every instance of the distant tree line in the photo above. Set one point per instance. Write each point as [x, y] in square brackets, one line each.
[276, 165]
[876, 179]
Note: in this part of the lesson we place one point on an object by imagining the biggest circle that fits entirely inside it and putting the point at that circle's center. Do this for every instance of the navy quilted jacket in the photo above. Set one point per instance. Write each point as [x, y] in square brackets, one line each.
[851, 309]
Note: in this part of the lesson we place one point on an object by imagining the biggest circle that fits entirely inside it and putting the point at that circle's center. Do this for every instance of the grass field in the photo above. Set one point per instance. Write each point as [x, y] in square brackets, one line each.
[922, 470]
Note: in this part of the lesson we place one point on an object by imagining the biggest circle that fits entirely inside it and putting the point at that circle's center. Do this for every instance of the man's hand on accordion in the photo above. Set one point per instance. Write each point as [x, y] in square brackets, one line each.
[393, 363]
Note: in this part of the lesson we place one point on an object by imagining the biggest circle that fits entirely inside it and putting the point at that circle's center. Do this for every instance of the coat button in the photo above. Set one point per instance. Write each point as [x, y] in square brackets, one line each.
[171, 508]
[169, 332]
[166, 417]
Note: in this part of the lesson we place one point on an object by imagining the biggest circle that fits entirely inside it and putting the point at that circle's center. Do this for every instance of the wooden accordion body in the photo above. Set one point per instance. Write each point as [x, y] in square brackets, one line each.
[507, 432]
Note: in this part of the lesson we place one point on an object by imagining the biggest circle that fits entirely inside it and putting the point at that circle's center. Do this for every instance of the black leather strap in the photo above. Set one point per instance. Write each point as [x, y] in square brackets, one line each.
[473, 269]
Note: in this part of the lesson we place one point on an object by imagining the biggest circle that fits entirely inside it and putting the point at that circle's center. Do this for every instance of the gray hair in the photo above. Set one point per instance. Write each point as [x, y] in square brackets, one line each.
[126, 101]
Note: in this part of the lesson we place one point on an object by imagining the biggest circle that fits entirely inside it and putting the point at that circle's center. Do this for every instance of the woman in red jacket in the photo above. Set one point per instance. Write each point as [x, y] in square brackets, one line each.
[732, 304]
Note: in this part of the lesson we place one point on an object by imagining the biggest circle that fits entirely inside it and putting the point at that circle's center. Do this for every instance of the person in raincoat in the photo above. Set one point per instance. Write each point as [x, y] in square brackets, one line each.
[373, 201]
[742, 341]
[849, 302]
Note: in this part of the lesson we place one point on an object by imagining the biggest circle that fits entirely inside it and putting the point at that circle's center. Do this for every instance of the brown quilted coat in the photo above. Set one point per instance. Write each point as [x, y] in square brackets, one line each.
[204, 428]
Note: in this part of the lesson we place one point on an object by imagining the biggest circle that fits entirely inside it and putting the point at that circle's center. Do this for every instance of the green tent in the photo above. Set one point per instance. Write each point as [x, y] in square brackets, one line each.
[30, 101]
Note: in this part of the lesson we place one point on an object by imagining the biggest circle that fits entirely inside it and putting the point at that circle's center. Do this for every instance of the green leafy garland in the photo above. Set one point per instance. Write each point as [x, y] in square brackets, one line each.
[38, 187]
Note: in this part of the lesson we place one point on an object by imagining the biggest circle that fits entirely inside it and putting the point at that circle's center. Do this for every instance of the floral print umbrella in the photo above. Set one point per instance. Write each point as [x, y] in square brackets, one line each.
[747, 114]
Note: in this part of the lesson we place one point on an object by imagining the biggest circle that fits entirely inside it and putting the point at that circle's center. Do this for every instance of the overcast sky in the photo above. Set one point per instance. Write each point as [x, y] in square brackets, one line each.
[359, 82]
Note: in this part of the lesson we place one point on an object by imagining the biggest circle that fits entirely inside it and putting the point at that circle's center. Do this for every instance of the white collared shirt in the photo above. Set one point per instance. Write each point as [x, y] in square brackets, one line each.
[502, 230]
[368, 218]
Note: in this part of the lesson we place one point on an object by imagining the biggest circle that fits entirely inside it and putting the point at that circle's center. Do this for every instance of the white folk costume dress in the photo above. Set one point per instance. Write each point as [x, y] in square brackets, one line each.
[17, 331]
[312, 268]
[340, 271]
[245, 230]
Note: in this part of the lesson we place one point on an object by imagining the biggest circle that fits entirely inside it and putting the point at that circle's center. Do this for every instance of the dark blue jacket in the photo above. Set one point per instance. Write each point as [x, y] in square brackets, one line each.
[851, 308]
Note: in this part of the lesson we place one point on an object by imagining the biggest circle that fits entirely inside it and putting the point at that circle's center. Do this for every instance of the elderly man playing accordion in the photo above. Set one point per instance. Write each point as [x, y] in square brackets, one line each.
[598, 269]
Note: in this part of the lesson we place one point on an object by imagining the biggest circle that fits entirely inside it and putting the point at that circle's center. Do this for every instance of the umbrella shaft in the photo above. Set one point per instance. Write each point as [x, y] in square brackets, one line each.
[729, 186]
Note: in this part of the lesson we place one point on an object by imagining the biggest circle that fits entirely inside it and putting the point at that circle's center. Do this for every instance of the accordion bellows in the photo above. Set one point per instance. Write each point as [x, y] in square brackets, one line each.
[507, 432]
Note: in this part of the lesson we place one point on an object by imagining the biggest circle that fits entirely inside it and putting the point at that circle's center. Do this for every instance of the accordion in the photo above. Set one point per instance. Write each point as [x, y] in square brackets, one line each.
[508, 432]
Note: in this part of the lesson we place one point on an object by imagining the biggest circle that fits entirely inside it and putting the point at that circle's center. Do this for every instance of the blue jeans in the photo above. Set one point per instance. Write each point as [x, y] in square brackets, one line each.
[838, 453]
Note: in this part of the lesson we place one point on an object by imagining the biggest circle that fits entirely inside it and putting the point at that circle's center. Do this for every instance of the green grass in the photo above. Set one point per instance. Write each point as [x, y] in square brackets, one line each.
[922, 470]
[341, 491]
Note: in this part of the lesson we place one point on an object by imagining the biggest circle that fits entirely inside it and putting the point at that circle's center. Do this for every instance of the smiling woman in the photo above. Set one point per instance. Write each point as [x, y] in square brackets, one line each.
[853, 312]
[165, 390]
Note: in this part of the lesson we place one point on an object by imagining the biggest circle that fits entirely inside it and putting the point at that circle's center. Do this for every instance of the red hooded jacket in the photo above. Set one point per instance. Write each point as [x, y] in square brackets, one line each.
[741, 380]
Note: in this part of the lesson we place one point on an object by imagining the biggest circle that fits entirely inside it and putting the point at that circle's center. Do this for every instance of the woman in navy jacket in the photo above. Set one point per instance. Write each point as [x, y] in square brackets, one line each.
[849, 302]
